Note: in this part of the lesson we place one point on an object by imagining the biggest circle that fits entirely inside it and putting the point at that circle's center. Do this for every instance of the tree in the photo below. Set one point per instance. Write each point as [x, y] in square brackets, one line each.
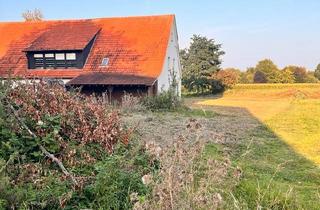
[311, 78]
[270, 71]
[287, 76]
[225, 79]
[259, 77]
[299, 73]
[236, 72]
[317, 72]
[199, 62]
[32, 16]
[247, 76]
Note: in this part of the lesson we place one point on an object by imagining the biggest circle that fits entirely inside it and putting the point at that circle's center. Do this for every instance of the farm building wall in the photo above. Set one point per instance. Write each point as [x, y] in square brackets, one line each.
[171, 64]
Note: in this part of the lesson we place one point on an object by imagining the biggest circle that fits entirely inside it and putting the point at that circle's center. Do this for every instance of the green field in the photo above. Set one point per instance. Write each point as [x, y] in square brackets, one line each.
[280, 155]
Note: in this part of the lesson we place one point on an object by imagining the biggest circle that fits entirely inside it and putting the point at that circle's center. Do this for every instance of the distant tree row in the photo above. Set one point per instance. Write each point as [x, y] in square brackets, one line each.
[267, 72]
[201, 69]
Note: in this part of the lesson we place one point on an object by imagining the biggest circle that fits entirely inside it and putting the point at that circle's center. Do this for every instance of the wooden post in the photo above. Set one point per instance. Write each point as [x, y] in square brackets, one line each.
[150, 90]
[110, 89]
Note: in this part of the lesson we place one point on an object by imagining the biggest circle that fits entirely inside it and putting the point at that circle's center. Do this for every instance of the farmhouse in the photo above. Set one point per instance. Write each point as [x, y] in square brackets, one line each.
[138, 55]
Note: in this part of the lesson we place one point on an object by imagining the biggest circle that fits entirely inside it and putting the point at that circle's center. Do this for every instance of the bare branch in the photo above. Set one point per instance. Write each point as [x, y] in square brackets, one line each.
[35, 15]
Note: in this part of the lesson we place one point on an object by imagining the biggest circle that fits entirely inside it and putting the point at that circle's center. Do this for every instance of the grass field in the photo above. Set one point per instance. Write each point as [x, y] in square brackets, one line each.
[280, 155]
[291, 111]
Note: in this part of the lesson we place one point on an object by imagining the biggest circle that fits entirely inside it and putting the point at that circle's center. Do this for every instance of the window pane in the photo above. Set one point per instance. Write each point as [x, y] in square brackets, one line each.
[49, 55]
[71, 56]
[59, 56]
[38, 55]
[105, 62]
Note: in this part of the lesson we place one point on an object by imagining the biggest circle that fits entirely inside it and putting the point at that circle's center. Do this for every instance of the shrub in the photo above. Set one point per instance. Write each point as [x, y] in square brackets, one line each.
[81, 133]
[51, 111]
[165, 101]
[119, 176]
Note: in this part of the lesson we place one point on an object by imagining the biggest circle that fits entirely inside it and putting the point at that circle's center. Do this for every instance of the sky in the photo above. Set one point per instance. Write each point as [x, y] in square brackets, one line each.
[286, 31]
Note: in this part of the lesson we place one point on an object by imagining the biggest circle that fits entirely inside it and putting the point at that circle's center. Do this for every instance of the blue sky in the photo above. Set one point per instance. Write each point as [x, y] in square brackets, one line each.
[286, 31]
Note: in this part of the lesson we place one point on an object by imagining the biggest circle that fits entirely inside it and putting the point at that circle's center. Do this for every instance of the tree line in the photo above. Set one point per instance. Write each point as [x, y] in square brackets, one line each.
[267, 72]
[202, 72]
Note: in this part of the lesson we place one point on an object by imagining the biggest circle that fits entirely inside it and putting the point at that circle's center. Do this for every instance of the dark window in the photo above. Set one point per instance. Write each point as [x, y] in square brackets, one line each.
[49, 60]
[38, 61]
[54, 60]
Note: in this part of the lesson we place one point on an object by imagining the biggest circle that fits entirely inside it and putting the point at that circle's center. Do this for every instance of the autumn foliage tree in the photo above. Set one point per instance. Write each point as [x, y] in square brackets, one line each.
[225, 79]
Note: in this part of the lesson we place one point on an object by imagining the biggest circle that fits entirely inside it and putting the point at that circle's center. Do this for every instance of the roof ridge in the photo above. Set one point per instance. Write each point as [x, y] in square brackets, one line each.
[87, 19]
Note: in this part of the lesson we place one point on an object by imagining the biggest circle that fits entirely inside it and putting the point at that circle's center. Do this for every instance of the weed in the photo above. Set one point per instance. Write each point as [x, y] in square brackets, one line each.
[165, 101]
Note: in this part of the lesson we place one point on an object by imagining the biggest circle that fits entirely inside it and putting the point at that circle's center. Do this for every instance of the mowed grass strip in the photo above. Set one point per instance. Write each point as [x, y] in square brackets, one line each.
[274, 176]
[291, 111]
[280, 158]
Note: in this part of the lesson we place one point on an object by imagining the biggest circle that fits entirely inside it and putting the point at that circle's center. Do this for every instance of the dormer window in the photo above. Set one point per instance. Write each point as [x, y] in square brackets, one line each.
[54, 60]
[71, 51]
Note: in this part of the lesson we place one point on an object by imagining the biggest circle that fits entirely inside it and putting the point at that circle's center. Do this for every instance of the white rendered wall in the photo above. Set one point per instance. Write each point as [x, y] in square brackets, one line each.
[171, 63]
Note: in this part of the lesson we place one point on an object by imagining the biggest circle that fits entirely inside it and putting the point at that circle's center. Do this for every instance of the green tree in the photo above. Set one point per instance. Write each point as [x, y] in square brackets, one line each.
[287, 76]
[311, 78]
[317, 72]
[247, 76]
[199, 62]
[270, 70]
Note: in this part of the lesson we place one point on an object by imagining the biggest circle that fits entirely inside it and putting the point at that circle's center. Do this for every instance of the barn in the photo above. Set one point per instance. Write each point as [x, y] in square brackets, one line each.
[138, 55]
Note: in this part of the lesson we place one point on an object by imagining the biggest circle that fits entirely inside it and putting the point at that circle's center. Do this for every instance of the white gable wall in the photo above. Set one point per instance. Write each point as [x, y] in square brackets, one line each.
[171, 63]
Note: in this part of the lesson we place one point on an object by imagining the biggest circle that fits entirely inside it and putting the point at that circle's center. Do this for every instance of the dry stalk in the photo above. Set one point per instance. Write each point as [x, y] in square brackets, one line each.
[261, 196]
[186, 178]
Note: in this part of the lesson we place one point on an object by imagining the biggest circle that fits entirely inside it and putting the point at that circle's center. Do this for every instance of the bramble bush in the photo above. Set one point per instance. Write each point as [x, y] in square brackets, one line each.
[81, 133]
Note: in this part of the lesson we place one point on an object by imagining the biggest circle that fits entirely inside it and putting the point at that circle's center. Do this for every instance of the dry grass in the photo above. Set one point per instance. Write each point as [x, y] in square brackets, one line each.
[291, 111]
[191, 175]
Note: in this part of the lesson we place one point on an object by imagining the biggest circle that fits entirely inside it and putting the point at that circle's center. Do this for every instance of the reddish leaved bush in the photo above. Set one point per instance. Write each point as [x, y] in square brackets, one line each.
[85, 119]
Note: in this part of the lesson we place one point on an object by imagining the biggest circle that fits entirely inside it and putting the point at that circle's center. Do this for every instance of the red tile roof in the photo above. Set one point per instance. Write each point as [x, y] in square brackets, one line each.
[102, 78]
[71, 36]
[134, 45]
